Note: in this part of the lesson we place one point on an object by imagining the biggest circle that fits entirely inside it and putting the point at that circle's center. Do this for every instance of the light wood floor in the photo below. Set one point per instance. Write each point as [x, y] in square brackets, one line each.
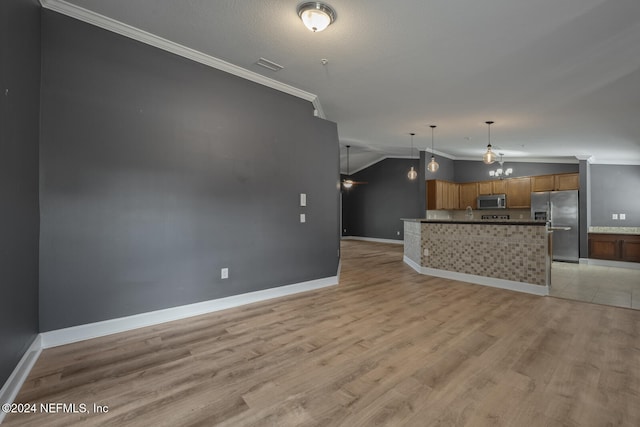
[385, 347]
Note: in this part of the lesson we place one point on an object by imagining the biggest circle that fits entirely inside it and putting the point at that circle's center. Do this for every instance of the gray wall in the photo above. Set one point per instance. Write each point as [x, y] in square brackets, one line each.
[615, 189]
[374, 209]
[584, 201]
[470, 170]
[19, 115]
[446, 168]
[156, 172]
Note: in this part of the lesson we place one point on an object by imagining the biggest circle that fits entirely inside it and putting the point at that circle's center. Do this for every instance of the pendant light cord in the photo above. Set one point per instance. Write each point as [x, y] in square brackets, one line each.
[348, 146]
[412, 134]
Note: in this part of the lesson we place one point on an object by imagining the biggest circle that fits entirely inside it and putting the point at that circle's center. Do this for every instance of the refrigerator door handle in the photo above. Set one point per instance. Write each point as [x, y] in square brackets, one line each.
[559, 228]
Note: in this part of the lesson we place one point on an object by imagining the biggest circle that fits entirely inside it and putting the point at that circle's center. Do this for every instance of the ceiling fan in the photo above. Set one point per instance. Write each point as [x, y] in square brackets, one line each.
[348, 183]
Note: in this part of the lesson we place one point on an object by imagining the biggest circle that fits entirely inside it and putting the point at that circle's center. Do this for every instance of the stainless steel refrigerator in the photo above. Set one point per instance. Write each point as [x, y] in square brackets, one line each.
[561, 209]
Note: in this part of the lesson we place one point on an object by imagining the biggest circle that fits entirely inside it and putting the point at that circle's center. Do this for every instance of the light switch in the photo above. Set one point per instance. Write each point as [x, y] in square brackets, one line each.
[614, 216]
[303, 218]
[303, 199]
[623, 216]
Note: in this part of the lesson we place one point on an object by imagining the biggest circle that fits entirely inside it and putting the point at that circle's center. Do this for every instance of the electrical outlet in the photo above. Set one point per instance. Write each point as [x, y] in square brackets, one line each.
[303, 218]
[303, 199]
[614, 216]
[398, 233]
[426, 252]
[623, 217]
[224, 273]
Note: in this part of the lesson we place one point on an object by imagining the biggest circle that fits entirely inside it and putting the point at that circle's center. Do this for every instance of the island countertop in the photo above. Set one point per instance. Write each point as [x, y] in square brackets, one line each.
[477, 221]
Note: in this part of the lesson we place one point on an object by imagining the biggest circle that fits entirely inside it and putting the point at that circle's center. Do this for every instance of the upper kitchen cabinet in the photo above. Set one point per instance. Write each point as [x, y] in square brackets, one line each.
[499, 187]
[567, 181]
[487, 188]
[559, 182]
[518, 191]
[442, 194]
[468, 195]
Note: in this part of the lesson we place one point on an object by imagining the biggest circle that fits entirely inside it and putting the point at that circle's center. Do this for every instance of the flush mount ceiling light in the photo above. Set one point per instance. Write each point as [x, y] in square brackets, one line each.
[413, 174]
[433, 165]
[489, 157]
[316, 15]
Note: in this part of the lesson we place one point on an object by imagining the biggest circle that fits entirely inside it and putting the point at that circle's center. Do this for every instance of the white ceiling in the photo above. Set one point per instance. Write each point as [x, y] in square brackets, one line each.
[559, 78]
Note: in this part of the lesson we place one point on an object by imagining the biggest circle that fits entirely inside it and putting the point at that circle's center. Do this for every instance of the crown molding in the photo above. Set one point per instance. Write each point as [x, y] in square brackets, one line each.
[150, 39]
[440, 153]
[588, 157]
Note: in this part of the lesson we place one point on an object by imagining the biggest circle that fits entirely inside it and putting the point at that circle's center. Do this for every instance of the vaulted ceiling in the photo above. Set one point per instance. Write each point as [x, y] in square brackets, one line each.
[560, 78]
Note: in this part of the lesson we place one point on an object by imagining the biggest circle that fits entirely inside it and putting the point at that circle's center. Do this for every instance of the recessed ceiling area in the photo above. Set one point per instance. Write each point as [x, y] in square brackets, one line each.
[560, 79]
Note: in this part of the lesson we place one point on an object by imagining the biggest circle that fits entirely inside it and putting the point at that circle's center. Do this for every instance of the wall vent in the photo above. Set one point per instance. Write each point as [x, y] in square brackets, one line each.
[269, 64]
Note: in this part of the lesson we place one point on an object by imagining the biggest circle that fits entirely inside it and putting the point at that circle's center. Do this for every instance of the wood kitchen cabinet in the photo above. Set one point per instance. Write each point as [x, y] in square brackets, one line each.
[567, 181]
[442, 194]
[558, 182]
[487, 188]
[499, 187]
[518, 191]
[468, 195]
[614, 247]
[450, 195]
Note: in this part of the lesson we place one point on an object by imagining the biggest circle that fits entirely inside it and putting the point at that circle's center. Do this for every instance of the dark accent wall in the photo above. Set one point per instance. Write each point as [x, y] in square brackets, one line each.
[374, 209]
[615, 189]
[156, 172]
[19, 116]
[584, 201]
[446, 168]
[471, 170]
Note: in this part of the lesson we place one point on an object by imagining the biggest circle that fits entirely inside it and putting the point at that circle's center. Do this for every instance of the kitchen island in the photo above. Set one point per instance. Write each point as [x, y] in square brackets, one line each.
[509, 254]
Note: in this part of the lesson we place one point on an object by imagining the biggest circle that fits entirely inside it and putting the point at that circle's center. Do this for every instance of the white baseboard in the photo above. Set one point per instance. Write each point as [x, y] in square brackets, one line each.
[511, 285]
[107, 327]
[411, 263]
[73, 334]
[13, 384]
[373, 239]
[607, 263]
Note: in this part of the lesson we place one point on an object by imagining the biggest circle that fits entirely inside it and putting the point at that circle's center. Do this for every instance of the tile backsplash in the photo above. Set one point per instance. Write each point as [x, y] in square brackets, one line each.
[477, 214]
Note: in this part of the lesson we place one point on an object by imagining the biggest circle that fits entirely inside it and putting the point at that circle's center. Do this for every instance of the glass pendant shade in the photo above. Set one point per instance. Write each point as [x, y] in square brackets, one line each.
[347, 183]
[433, 165]
[316, 16]
[489, 157]
[413, 174]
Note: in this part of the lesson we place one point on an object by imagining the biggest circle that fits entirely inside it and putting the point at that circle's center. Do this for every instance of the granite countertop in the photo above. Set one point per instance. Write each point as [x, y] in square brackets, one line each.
[478, 221]
[615, 230]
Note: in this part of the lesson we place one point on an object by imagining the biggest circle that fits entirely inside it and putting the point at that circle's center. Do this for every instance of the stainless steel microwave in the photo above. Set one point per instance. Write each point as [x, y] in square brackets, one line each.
[495, 201]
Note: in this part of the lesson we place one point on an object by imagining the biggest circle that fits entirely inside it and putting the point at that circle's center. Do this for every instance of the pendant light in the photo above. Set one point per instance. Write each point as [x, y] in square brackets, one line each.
[489, 157]
[413, 174]
[347, 183]
[433, 165]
